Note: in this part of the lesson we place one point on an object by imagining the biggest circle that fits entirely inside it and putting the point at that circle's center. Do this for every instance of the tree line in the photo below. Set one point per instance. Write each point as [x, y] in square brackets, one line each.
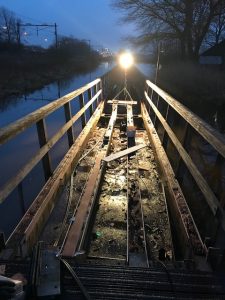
[67, 47]
[190, 24]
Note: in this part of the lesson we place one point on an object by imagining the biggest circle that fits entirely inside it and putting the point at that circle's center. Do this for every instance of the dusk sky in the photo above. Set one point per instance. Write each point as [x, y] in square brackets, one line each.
[86, 19]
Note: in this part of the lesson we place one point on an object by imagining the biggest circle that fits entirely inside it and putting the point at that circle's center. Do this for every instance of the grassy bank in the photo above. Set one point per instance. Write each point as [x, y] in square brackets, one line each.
[27, 69]
[200, 88]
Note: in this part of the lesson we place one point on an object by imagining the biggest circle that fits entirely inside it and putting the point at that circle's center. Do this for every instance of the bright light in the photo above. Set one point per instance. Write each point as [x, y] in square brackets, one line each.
[126, 60]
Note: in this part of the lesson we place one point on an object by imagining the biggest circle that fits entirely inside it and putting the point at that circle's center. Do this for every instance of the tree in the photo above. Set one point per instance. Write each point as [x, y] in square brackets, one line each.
[9, 27]
[217, 29]
[187, 21]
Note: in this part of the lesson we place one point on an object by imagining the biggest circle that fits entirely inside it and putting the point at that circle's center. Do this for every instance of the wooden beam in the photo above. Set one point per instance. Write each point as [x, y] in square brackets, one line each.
[25, 170]
[122, 102]
[27, 231]
[19, 126]
[73, 238]
[83, 117]
[211, 135]
[68, 116]
[199, 179]
[123, 153]
[43, 140]
[189, 234]
[89, 97]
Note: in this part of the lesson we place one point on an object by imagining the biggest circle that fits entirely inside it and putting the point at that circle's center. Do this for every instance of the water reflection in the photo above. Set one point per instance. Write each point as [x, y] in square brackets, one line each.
[14, 108]
[17, 152]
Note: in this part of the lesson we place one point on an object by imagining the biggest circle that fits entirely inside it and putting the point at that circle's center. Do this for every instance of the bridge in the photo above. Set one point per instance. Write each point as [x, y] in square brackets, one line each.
[138, 199]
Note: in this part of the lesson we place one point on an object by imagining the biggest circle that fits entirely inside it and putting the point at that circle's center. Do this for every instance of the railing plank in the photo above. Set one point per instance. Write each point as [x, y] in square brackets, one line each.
[19, 126]
[205, 130]
[24, 171]
[206, 190]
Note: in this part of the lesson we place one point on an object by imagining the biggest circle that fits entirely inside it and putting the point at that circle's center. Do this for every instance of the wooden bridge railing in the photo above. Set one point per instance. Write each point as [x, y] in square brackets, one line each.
[181, 132]
[94, 93]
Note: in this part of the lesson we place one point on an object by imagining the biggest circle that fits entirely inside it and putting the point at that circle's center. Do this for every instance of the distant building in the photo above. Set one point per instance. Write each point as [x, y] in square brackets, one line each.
[214, 55]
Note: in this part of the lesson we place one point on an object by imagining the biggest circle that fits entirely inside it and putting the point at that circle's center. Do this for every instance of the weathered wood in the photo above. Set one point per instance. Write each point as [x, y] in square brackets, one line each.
[19, 126]
[130, 121]
[43, 140]
[188, 233]
[123, 152]
[83, 117]
[216, 139]
[10, 186]
[27, 231]
[86, 201]
[89, 97]
[122, 102]
[184, 141]
[68, 116]
[199, 179]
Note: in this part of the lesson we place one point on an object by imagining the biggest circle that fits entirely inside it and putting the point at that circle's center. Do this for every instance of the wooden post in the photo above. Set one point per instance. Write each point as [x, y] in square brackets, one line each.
[43, 139]
[165, 135]
[83, 117]
[89, 98]
[157, 105]
[95, 92]
[100, 87]
[68, 115]
[184, 141]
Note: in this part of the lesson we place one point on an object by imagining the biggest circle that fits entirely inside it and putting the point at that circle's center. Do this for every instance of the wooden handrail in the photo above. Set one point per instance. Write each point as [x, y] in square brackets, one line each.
[205, 130]
[25, 170]
[201, 182]
[19, 126]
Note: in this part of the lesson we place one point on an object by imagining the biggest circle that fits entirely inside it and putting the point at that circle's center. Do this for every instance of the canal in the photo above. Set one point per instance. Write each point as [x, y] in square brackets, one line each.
[19, 150]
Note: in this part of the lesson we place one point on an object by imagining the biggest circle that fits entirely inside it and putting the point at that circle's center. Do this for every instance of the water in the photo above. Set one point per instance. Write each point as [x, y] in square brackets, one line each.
[18, 151]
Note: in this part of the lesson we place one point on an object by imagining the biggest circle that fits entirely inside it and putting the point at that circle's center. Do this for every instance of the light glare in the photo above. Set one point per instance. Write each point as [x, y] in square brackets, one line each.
[126, 60]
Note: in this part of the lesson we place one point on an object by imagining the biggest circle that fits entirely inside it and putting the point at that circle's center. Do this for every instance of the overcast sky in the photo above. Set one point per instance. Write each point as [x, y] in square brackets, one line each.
[86, 19]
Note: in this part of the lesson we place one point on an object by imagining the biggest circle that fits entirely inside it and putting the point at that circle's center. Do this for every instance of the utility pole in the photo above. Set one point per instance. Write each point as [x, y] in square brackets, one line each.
[56, 36]
[18, 33]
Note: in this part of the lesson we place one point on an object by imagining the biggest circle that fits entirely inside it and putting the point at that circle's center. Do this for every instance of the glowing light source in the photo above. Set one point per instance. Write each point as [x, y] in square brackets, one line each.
[126, 60]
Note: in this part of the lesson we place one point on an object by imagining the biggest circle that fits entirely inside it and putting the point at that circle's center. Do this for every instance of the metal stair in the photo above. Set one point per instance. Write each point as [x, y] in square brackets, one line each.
[113, 282]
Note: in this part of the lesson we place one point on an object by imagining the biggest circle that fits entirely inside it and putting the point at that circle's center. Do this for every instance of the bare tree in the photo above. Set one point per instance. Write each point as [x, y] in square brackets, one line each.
[185, 20]
[9, 26]
[216, 31]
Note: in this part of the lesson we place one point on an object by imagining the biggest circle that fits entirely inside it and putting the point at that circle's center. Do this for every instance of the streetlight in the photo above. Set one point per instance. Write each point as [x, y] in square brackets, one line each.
[126, 60]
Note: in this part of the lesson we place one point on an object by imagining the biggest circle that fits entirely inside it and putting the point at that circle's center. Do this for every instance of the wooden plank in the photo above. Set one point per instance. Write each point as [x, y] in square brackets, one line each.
[27, 231]
[43, 140]
[89, 97]
[68, 116]
[122, 102]
[123, 153]
[86, 202]
[188, 229]
[199, 179]
[19, 126]
[83, 117]
[25, 170]
[130, 120]
[211, 135]
[75, 231]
